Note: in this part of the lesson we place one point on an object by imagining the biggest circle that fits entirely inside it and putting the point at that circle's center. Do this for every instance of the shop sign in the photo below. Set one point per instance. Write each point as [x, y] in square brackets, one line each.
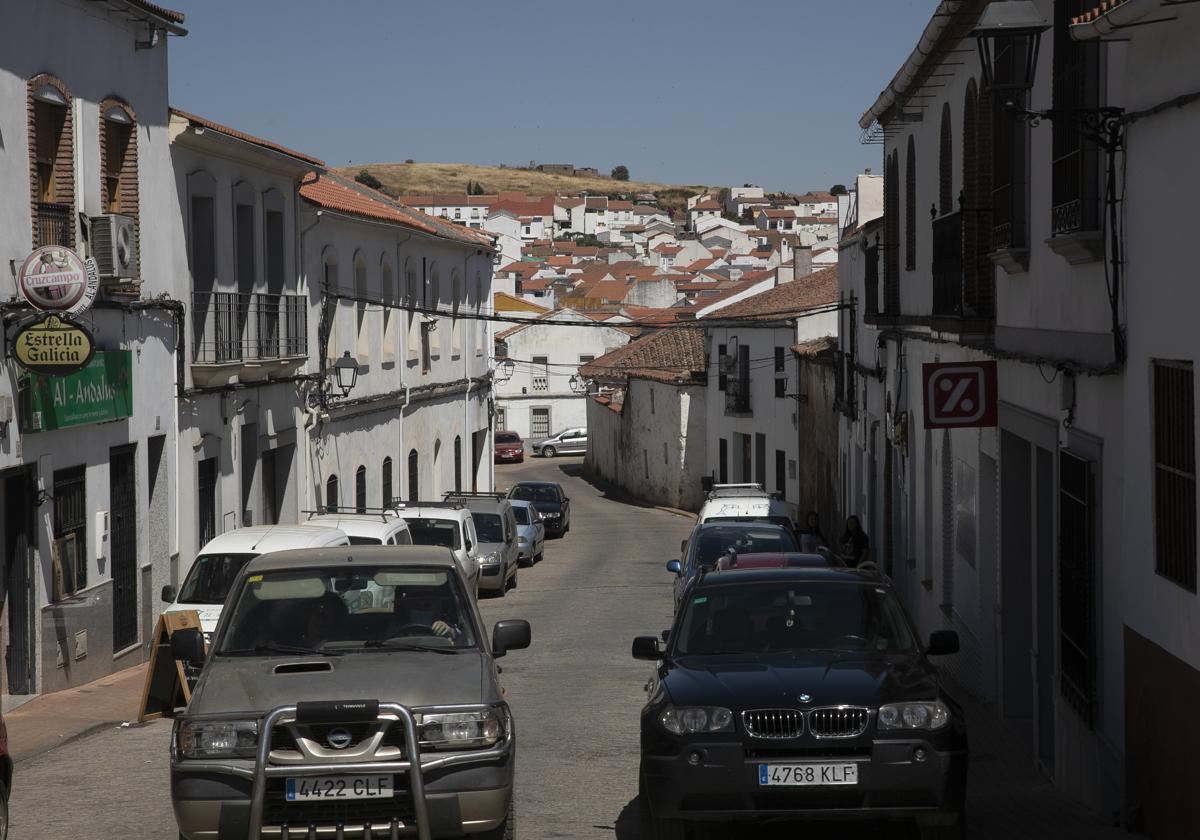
[960, 395]
[52, 346]
[101, 391]
[54, 279]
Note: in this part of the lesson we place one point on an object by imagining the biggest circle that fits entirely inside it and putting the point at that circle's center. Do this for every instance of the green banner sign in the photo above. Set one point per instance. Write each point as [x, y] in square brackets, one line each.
[101, 391]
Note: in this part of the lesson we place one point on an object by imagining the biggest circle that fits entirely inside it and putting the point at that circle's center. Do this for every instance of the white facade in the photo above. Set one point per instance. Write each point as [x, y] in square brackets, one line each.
[507, 229]
[537, 400]
[69, 487]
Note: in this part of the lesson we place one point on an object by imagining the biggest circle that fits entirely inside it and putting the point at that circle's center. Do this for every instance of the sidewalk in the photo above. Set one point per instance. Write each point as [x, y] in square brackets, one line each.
[53, 719]
[1007, 797]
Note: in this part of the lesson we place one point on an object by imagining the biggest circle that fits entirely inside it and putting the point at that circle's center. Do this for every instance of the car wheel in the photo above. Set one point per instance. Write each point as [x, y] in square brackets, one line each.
[549, 451]
[513, 584]
[541, 555]
[3, 812]
[507, 830]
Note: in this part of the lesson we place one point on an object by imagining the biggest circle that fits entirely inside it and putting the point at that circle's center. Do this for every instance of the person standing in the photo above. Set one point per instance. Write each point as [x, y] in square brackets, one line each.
[854, 545]
[811, 536]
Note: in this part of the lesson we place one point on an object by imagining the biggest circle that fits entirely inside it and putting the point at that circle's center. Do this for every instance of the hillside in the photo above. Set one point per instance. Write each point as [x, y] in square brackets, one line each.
[426, 178]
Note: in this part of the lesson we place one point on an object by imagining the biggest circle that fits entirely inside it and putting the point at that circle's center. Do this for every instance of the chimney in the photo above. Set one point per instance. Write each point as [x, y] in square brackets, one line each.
[802, 261]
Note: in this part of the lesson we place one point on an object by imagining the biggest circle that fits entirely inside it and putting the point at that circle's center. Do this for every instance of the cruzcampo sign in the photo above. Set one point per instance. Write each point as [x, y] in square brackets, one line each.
[54, 279]
[100, 392]
[53, 347]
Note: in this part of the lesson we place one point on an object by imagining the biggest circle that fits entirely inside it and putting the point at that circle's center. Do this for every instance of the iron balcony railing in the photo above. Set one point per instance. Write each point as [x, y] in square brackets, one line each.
[54, 224]
[948, 265]
[237, 327]
[737, 395]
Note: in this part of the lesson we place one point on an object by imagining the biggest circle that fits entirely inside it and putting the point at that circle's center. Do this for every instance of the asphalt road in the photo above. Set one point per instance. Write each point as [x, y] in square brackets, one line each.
[575, 694]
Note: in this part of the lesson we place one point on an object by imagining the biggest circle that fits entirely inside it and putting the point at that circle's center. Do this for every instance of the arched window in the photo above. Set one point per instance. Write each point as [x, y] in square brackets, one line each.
[456, 325]
[386, 493]
[331, 494]
[330, 281]
[457, 464]
[118, 160]
[437, 468]
[51, 162]
[414, 476]
[946, 165]
[970, 188]
[891, 222]
[362, 332]
[979, 299]
[434, 304]
[360, 489]
[910, 207]
[391, 316]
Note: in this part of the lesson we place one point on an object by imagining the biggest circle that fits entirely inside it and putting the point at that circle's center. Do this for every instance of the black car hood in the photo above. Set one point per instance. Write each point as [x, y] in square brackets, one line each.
[547, 507]
[859, 679]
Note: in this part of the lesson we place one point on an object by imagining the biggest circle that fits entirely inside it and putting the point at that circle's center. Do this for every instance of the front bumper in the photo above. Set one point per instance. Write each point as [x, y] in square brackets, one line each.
[510, 456]
[492, 578]
[724, 783]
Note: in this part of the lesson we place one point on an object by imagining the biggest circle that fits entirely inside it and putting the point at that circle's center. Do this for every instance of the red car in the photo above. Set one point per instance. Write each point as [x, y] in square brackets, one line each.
[509, 447]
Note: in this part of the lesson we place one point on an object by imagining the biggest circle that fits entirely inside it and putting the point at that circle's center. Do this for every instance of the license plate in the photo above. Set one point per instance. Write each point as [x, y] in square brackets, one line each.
[790, 775]
[306, 788]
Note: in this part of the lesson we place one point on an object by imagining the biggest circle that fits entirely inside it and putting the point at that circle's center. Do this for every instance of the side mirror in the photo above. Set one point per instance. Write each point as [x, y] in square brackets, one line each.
[188, 645]
[168, 594]
[511, 634]
[646, 647]
[673, 566]
[706, 483]
[942, 642]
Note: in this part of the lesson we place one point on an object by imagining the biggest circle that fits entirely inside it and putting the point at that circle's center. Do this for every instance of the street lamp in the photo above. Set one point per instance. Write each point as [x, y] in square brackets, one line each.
[504, 371]
[1009, 34]
[345, 370]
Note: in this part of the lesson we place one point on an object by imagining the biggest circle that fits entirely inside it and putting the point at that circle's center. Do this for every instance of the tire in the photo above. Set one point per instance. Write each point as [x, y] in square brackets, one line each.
[513, 585]
[507, 830]
[541, 555]
[549, 451]
[4, 812]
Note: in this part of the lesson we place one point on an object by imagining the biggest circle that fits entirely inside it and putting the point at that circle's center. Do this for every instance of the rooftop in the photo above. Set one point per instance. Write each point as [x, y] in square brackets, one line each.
[673, 355]
[785, 300]
[202, 123]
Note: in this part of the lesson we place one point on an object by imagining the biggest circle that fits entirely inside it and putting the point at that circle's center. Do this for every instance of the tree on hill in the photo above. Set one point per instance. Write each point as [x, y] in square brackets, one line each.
[838, 189]
[620, 173]
[368, 180]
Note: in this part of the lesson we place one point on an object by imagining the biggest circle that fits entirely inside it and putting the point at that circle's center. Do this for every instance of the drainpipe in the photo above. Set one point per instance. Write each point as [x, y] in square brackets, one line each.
[307, 460]
[401, 457]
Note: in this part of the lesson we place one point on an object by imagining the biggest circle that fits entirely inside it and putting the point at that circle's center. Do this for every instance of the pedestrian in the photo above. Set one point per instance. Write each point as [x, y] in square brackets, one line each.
[811, 536]
[854, 545]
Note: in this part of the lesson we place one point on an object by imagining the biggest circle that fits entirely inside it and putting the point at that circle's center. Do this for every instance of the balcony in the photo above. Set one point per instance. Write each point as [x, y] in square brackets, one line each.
[948, 266]
[54, 224]
[737, 395]
[250, 337]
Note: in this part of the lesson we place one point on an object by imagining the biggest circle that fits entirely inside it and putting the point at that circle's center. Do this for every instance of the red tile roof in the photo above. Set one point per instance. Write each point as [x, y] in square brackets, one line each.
[157, 10]
[201, 122]
[333, 192]
[706, 204]
[816, 346]
[673, 355]
[785, 300]
[447, 200]
[523, 269]
[667, 249]
[778, 214]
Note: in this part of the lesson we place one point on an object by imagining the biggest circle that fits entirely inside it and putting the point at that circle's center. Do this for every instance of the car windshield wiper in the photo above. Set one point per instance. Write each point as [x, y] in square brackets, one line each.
[277, 647]
[401, 644]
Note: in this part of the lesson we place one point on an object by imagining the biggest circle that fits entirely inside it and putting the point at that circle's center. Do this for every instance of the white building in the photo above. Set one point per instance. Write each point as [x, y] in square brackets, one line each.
[1059, 543]
[87, 500]
[401, 294]
[707, 208]
[537, 400]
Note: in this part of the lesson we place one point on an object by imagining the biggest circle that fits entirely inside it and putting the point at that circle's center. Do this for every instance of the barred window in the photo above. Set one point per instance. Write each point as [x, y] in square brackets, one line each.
[1175, 472]
[910, 207]
[946, 165]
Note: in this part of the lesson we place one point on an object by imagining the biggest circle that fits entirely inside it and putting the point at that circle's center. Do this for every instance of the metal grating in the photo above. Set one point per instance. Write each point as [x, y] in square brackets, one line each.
[1175, 472]
[839, 722]
[773, 723]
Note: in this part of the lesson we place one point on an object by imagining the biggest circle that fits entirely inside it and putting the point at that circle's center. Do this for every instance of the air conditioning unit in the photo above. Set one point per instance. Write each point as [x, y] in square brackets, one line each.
[114, 247]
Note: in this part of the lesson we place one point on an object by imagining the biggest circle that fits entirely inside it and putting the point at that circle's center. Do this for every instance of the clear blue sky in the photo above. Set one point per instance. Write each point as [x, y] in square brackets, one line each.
[681, 91]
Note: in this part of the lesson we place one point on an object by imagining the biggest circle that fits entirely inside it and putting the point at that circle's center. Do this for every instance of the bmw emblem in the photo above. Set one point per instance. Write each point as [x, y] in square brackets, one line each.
[339, 738]
[804, 698]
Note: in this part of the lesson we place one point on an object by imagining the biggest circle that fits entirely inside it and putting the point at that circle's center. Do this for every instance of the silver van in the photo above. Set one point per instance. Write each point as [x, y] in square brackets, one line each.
[496, 528]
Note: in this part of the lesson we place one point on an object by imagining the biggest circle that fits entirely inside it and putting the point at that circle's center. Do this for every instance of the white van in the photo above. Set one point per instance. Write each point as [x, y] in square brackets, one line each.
[385, 528]
[746, 503]
[217, 565]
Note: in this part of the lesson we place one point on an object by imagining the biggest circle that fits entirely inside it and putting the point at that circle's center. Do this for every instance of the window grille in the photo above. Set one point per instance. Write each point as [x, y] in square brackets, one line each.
[1175, 473]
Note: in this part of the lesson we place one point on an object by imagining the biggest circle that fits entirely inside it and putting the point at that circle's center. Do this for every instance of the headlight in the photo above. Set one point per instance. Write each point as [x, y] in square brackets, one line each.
[490, 559]
[464, 730]
[551, 515]
[523, 540]
[925, 715]
[217, 739]
[687, 720]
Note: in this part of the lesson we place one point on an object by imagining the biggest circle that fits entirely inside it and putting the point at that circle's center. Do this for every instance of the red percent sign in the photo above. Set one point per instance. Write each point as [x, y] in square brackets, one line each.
[960, 395]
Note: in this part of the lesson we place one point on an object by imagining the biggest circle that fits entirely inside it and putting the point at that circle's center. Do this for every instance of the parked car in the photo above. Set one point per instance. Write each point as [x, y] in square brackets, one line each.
[346, 706]
[798, 693]
[551, 502]
[745, 503]
[709, 541]
[449, 525]
[222, 558]
[6, 778]
[508, 446]
[567, 442]
[384, 528]
[499, 551]
[531, 532]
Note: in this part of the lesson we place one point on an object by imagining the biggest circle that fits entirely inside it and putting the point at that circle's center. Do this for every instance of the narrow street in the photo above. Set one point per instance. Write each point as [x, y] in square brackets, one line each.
[575, 694]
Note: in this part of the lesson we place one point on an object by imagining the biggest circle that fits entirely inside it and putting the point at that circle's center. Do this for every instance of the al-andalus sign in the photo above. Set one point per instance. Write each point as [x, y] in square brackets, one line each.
[54, 279]
[100, 392]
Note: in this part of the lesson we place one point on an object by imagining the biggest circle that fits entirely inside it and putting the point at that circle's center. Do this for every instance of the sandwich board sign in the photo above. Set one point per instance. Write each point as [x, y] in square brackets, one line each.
[169, 683]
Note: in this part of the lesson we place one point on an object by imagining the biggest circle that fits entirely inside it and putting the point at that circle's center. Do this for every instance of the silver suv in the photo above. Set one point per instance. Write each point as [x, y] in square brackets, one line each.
[498, 548]
[328, 707]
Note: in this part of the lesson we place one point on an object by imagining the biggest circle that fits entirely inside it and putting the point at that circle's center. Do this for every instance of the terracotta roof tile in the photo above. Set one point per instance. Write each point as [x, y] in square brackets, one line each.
[706, 204]
[157, 10]
[201, 122]
[816, 346]
[670, 355]
[785, 300]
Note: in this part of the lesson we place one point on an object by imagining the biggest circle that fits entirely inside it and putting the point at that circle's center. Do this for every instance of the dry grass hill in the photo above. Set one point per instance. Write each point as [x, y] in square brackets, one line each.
[426, 178]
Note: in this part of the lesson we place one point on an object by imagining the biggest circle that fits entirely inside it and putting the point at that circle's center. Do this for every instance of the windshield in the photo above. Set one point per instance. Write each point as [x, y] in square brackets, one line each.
[336, 610]
[488, 527]
[365, 541]
[759, 618]
[508, 437]
[749, 540]
[534, 494]
[443, 532]
[211, 576]
[522, 514]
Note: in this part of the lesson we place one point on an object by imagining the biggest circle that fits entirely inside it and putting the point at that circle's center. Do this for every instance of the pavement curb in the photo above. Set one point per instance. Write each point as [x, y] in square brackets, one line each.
[90, 729]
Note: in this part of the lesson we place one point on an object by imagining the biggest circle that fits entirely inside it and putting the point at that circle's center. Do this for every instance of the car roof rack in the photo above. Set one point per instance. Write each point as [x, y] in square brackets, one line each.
[736, 491]
[463, 494]
[337, 510]
[434, 504]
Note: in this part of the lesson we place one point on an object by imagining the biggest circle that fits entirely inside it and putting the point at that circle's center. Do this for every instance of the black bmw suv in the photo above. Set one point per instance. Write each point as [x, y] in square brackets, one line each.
[798, 693]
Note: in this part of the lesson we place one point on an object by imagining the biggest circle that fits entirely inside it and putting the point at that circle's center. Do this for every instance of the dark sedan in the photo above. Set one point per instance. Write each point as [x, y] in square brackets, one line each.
[549, 500]
[798, 693]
